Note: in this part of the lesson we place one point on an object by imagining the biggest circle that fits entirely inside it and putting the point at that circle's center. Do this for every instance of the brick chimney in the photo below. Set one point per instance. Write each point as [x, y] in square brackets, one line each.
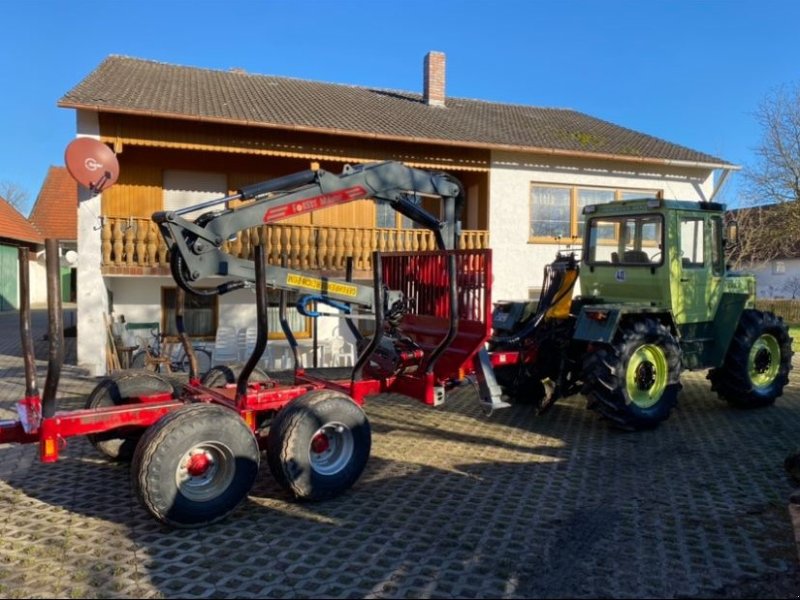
[433, 93]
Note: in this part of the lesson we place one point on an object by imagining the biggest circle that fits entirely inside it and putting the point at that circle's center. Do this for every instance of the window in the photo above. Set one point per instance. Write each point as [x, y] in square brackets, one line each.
[387, 217]
[692, 242]
[200, 314]
[557, 211]
[587, 197]
[717, 253]
[187, 188]
[299, 324]
[550, 212]
[625, 240]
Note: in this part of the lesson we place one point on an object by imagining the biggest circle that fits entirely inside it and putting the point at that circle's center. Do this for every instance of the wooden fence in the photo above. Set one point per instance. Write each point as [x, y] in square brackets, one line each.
[788, 309]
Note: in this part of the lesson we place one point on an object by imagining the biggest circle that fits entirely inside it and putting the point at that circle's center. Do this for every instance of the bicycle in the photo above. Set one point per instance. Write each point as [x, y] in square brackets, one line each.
[169, 356]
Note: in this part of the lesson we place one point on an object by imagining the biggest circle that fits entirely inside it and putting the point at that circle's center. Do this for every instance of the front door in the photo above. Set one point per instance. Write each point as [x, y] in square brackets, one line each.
[701, 267]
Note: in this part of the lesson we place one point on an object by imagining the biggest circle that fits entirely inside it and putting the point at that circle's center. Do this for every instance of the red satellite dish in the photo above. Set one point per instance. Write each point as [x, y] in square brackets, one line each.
[92, 164]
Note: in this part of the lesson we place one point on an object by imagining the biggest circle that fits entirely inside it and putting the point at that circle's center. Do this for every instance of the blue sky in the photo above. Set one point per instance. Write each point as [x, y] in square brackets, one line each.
[691, 72]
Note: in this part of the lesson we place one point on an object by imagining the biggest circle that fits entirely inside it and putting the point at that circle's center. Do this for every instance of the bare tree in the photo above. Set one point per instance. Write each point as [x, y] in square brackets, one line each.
[792, 286]
[775, 176]
[14, 194]
[765, 233]
[769, 222]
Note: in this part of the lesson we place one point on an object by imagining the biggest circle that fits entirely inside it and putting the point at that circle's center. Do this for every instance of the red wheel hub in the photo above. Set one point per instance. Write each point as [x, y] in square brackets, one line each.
[320, 443]
[198, 464]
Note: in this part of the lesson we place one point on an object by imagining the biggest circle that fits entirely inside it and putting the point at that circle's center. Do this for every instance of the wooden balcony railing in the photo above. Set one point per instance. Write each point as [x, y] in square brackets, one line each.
[133, 243]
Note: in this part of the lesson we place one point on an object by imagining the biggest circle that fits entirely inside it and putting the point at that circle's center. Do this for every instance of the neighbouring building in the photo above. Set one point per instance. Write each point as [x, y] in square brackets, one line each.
[15, 232]
[184, 134]
[55, 215]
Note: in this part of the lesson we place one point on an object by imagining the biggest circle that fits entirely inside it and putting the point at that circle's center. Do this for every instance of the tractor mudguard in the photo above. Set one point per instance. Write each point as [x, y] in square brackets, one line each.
[597, 323]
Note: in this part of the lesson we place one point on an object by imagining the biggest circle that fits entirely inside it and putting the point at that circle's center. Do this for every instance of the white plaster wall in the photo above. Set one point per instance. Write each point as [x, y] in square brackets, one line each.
[92, 298]
[37, 276]
[772, 282]
[519, 265]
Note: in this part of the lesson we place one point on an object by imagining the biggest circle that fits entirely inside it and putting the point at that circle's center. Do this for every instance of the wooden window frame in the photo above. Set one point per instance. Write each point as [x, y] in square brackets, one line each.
[277, 333]
[575, 215]
[165, 310]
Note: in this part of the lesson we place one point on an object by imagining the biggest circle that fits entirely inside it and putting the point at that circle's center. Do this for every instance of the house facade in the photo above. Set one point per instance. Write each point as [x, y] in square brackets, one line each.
[55, 215]
[184, 135]
[17, 232]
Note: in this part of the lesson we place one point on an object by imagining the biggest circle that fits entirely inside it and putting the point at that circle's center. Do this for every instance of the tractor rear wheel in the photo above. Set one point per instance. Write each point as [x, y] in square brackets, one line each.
[318, 445]
[635, 382]
[124, 387]
[195, 465]
[757, 364]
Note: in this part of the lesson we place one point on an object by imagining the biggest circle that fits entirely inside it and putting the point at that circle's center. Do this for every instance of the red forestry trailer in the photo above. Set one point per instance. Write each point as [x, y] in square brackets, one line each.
[195, 450]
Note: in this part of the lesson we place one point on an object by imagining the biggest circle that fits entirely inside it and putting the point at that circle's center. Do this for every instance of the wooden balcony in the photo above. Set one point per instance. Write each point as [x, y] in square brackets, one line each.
[133, 246]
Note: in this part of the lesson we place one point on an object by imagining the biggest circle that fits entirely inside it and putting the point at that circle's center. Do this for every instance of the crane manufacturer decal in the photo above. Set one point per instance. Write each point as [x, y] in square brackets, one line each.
[322, 201]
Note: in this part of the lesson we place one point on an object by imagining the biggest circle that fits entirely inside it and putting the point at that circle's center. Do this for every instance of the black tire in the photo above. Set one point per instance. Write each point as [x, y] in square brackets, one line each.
[203, 362]
[221, 375]
[319, 445]
[519, 386]
[195, 465]
[118, 389]
[634, 383]
[757, 364]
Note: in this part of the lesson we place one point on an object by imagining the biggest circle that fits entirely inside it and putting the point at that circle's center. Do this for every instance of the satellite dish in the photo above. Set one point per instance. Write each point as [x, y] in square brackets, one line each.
[92, 164]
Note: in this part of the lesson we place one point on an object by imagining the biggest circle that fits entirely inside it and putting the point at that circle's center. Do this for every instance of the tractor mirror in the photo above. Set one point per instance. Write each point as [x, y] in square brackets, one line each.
[731, 232]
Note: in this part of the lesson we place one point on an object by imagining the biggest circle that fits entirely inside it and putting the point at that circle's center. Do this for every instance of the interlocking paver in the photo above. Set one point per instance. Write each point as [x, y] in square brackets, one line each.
[452, 504]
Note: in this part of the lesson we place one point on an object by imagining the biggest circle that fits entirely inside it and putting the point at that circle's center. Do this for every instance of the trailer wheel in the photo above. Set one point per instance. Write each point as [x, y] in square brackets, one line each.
[195, 465]
[220, 375]
[115, 390]
[757, 364]
[635, 382]
[318, 445]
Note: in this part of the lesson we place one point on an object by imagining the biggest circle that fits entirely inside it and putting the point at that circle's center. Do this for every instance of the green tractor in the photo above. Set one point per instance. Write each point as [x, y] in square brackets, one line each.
[655, 299]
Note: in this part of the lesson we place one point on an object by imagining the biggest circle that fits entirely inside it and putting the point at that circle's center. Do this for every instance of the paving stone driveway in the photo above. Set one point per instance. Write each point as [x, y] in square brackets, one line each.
[452, 504]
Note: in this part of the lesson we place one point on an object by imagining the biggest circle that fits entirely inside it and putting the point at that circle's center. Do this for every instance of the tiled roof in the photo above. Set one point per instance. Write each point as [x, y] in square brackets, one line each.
[55, 213]
[15, 227]
[130, 85]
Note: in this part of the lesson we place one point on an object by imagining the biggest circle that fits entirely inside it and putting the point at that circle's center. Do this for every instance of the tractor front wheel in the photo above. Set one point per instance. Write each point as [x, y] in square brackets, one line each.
[757, 364]
[635, 382]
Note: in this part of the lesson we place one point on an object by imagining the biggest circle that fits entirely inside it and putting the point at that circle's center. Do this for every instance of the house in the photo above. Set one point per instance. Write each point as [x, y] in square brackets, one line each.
[55, 216]
[183, 135]
[17, 232]
[767, 247]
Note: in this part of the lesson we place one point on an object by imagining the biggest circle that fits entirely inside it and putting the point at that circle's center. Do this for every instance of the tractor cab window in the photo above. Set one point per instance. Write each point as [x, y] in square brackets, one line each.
[692, 242]
[717, 249]
[625, 240]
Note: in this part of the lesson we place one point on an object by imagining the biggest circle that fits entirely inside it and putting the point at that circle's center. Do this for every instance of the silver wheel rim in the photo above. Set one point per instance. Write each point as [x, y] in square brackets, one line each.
[331, 448]
[205, 471]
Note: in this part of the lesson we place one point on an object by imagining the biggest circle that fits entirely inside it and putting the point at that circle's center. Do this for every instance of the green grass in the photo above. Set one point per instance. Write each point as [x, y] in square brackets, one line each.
[794, 331]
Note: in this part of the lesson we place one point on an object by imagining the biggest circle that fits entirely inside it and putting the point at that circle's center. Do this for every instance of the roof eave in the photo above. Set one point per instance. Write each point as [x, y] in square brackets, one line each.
[399, 138]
